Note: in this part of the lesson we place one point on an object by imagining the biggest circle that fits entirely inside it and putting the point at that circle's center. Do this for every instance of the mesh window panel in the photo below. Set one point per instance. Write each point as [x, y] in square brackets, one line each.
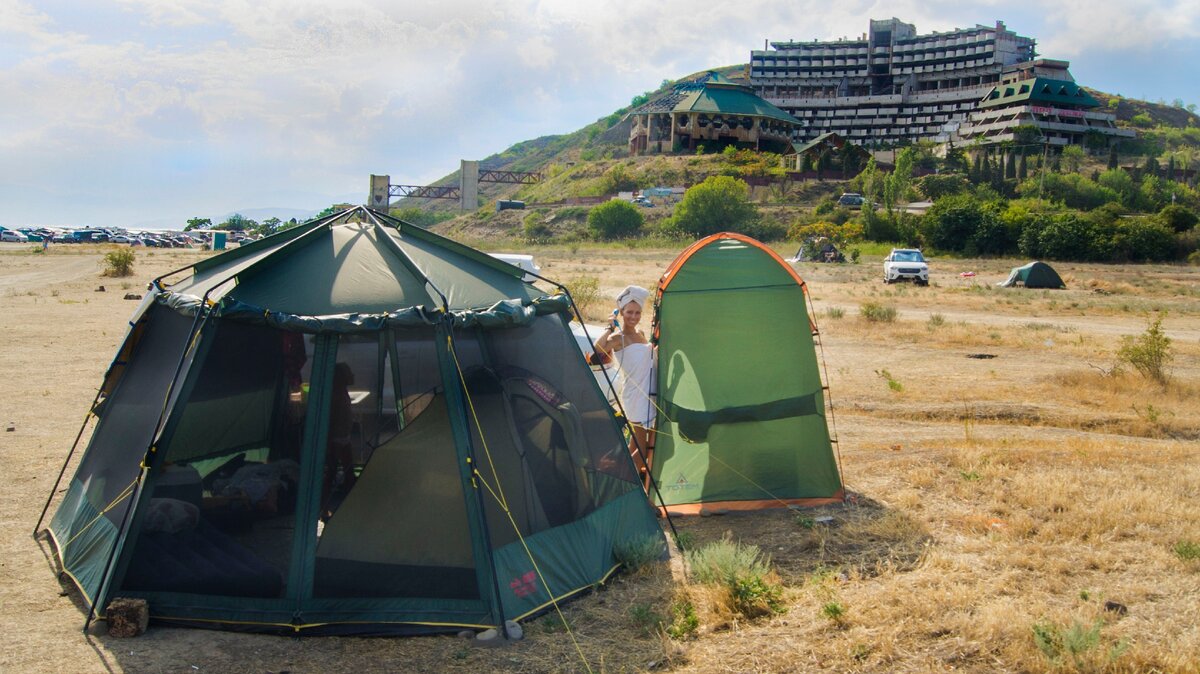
[397, 523]
[221, 517]
[129, 418]
[553, 451]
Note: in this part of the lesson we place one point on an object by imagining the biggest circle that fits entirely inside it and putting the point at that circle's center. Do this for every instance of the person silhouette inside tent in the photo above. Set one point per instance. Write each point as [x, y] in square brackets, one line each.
[339, 451]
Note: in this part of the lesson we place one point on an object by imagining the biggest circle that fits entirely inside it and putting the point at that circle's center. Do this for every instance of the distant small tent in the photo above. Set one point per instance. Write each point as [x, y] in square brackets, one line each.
[1034, 275]
[742, 423]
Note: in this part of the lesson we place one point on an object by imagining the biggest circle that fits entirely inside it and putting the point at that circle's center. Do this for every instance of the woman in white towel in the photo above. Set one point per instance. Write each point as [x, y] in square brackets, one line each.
[635, 360]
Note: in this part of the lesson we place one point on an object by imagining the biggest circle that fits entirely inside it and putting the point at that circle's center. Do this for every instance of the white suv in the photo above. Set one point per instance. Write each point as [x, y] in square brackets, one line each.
[905, 264]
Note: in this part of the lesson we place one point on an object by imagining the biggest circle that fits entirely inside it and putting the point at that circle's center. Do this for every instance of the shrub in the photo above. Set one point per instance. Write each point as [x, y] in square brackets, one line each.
[1072, 189]
[1141, 239]
[647, 620]
[936, 186]
[639, 552]
[878, 226]
[614, 219]
[1065, 237]
[535, 228]
[992, 235]
[1187, 550]
[951, 223]
[835, 613]
[1120, 182]
[741, 569]
[585, 290]
[766, 229]
[893, 384]
[840, 235]
[835, 312]
[1149, 353]
[877, 313]
[719, 204]
[119, 262]
[1178, 218]
[618, 178]
[684, 621]
[1080, 642]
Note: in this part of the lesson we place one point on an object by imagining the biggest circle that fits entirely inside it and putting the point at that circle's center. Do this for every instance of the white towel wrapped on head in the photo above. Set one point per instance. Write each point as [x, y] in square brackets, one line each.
[632, 294]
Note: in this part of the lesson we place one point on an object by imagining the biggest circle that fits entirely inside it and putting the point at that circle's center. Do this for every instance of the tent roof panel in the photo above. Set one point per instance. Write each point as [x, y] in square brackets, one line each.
[724, 262]
[321, 269]
[346, 269]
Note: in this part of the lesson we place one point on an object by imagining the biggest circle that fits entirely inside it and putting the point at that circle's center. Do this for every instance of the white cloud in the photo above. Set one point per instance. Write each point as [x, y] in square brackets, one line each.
[1079, 26]
[195, 99]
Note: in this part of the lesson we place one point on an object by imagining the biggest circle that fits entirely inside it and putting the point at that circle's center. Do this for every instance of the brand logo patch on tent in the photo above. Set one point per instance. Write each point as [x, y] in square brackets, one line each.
[524, 585]
[681, 484]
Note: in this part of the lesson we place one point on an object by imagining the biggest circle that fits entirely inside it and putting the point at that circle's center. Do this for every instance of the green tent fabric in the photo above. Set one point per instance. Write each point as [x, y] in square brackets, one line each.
[351, 427]
[1034, 275]
[742, 411]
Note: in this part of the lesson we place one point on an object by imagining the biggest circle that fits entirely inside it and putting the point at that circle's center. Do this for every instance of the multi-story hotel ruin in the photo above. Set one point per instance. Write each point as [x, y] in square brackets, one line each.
[894, 86]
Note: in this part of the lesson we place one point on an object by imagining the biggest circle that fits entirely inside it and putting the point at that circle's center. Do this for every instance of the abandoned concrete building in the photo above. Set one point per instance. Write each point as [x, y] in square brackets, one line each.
[710, 108]
[894, 86]
[1040, 102]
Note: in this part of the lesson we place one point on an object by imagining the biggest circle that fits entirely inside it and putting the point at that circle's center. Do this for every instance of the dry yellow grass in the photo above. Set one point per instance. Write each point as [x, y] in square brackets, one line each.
[996, 496]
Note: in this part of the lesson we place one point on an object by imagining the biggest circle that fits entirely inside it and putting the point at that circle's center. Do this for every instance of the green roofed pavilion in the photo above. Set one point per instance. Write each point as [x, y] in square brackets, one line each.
[710, 108]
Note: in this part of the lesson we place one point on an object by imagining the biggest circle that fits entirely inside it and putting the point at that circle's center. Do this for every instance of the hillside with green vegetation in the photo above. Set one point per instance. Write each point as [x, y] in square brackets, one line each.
[1134, 202]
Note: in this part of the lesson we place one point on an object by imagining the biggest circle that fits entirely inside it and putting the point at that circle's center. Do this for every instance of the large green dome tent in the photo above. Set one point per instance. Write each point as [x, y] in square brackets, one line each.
[741, 421]
[353, 426]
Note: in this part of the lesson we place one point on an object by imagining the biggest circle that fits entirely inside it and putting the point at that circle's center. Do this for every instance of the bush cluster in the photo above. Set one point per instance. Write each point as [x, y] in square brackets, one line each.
[1107, 233]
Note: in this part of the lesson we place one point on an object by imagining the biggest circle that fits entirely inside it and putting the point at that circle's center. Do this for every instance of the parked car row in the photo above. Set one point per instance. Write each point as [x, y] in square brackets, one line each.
[118, 236]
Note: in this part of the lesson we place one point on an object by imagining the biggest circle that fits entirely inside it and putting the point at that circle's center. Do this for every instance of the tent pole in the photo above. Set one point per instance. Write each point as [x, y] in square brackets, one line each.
[63, 471]
[448, 323]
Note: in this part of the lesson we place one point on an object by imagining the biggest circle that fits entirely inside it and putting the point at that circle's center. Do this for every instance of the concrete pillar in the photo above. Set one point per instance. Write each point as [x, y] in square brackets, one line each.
[378, 197]
[468, 189]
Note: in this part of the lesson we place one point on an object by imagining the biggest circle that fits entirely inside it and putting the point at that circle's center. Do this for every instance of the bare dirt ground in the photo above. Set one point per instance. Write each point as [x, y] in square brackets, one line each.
[999, 498]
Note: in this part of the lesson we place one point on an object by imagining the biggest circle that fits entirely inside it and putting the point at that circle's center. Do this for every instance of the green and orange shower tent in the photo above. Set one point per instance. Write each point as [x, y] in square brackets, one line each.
[742, 413]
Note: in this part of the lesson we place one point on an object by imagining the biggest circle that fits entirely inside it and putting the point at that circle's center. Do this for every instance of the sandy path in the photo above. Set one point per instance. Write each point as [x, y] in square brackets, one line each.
[65, 269]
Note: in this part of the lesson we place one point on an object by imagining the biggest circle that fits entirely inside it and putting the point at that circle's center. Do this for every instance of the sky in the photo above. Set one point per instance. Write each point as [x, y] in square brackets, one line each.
[149, 112]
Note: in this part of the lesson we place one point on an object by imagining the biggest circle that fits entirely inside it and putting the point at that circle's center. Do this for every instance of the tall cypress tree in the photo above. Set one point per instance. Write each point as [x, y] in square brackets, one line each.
[1022, 168]
[1010, 167]
[1112, 157]
[1151, 166]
